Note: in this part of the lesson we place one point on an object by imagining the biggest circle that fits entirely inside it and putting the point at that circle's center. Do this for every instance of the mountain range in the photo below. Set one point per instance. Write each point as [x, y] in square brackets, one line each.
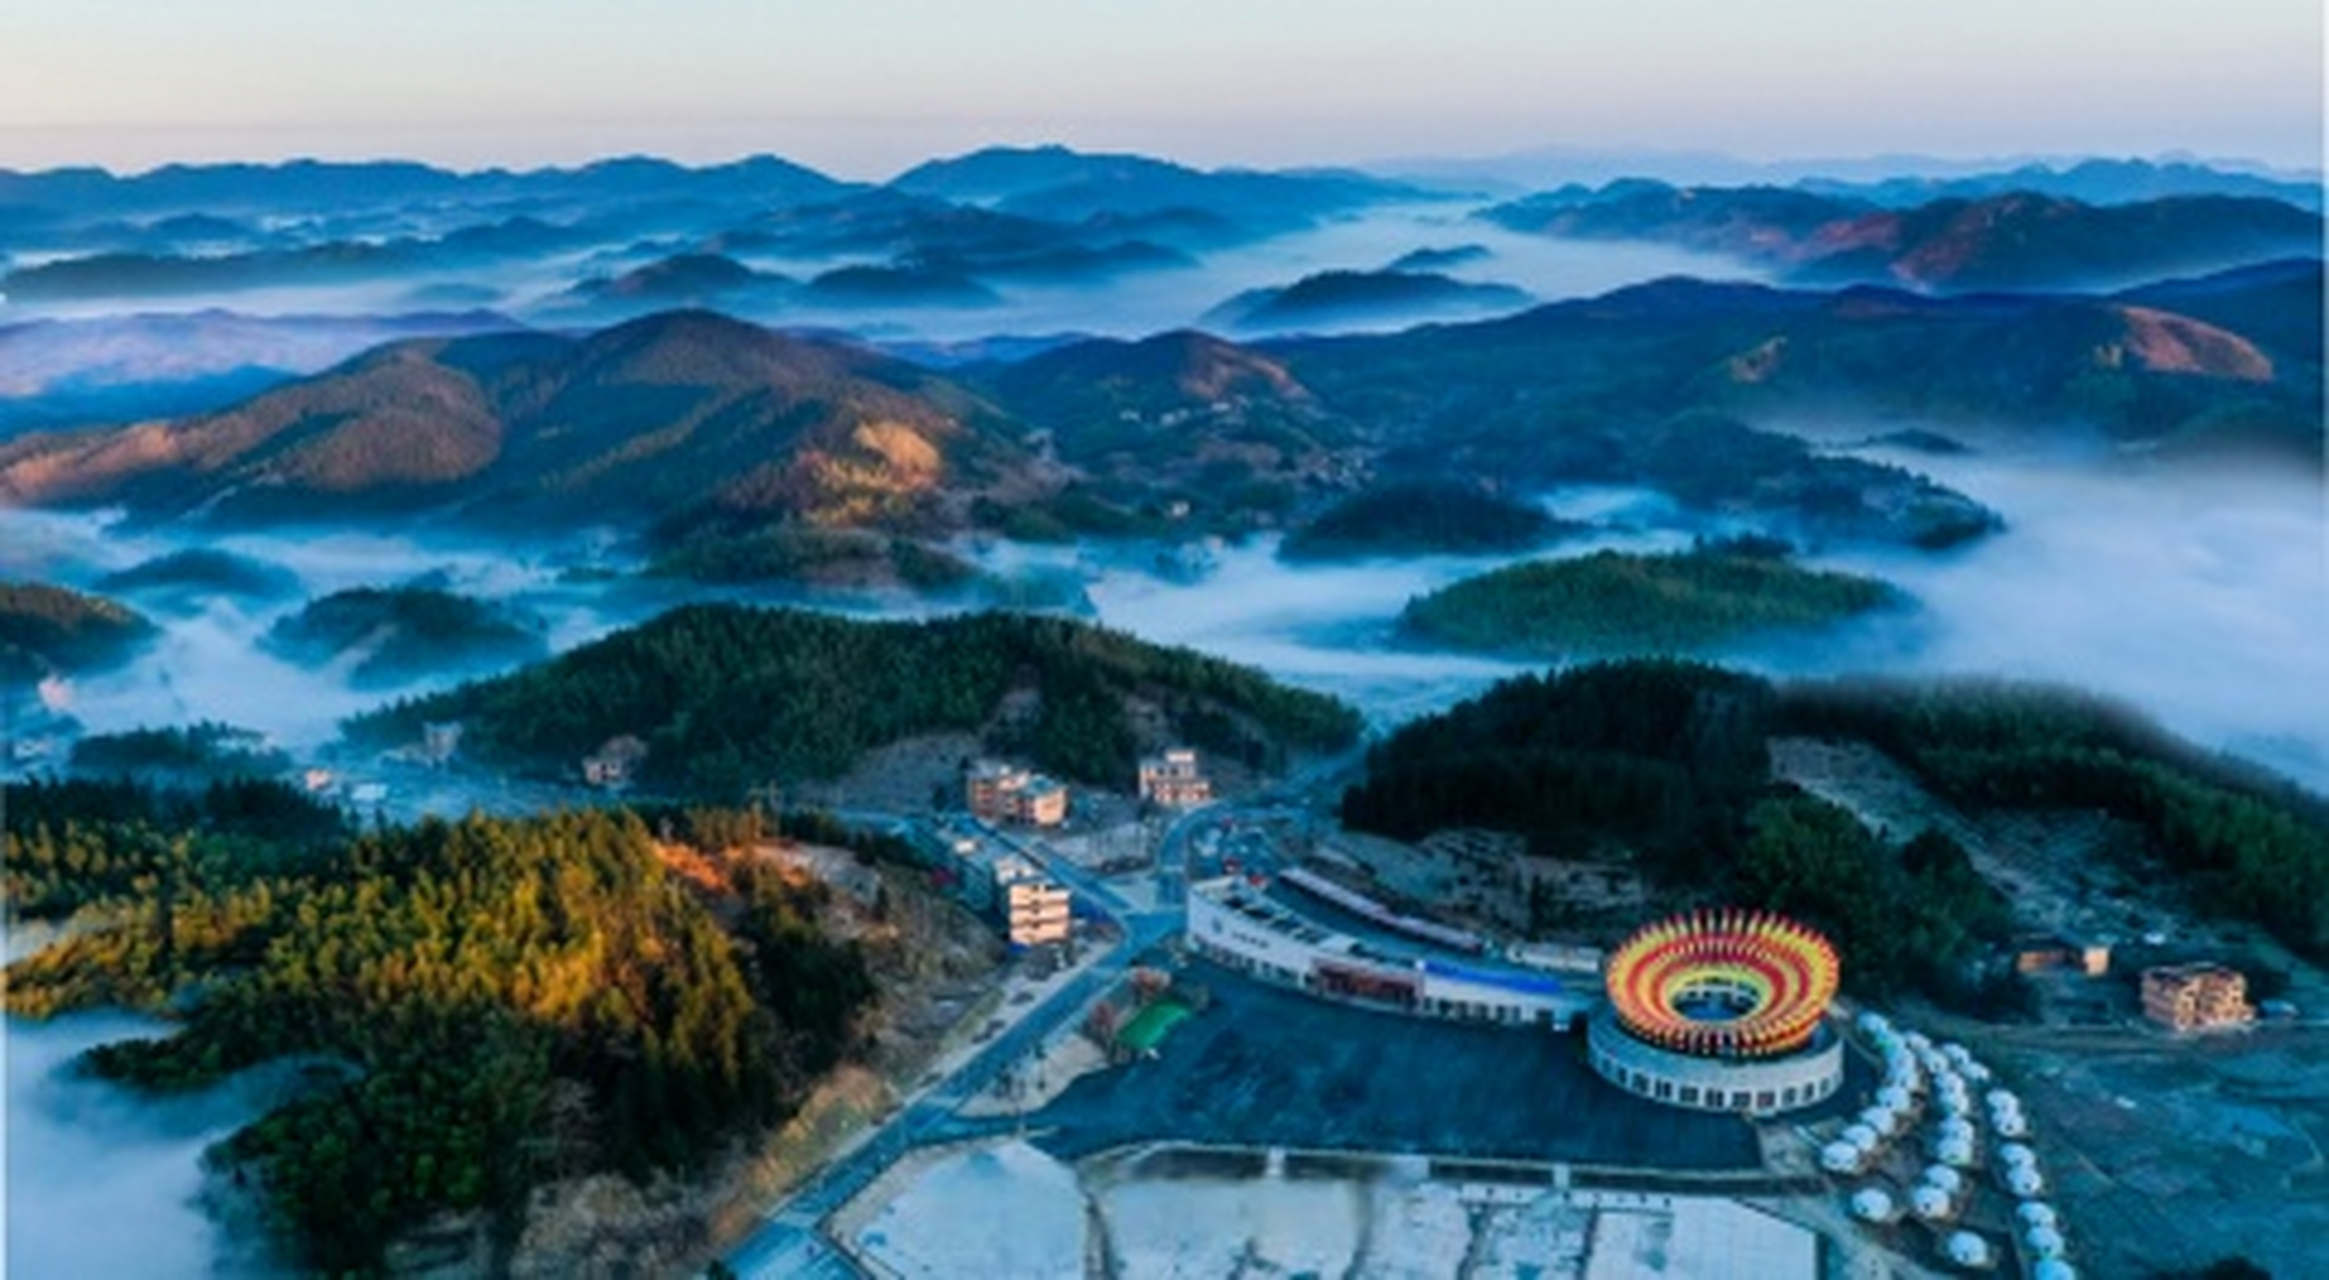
[1001, 214]
[683, 419]
[688, 422]
[2016, 240]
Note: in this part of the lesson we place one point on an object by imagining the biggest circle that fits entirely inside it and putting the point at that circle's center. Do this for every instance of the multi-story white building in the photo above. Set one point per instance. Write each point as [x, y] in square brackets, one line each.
[1036, 912]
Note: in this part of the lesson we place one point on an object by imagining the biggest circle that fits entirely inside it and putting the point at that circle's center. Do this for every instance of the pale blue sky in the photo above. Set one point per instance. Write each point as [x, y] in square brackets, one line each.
[863, 87]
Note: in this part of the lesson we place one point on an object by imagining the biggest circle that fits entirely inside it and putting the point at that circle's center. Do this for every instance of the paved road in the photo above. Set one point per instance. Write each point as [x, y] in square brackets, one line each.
[789, 1243]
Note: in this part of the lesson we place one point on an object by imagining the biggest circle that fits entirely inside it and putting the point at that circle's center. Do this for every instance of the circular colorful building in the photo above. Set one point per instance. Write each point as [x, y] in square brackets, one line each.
[1721, 1010]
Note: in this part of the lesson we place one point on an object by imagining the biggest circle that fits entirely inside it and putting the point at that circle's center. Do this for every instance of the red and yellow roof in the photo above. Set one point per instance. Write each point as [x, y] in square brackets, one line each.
[1783, 974]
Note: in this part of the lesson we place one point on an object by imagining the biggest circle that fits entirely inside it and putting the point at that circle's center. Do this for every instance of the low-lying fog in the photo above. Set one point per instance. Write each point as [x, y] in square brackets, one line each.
[209, 665]
[1130, 304]
[2201, 599]
[2204, 600]
[105, 1182]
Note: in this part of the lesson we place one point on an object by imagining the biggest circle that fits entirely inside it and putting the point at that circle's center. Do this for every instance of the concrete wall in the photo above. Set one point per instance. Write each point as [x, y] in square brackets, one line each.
[1761, 1086]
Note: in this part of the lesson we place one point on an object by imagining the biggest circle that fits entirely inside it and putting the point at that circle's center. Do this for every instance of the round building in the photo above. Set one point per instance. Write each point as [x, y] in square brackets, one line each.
[1721, 1011]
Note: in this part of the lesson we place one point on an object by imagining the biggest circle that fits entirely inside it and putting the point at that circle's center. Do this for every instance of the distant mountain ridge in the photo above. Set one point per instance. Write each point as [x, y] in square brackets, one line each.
[1534, 391]
[2013, 240]
[1345, 299]
[326, 185]
[680, 418]
[1059, 184]
[2094, 181]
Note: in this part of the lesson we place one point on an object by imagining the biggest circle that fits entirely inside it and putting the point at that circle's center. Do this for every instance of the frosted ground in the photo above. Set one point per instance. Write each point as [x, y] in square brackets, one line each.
[1009, 1209]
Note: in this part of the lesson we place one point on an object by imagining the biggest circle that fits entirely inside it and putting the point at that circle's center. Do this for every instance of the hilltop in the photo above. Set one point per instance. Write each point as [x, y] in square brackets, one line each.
[46, 629]
[1423, 517]
[680, 420]
[1060, 184]
[1613, 602]
[398, 634]
[479, 1009]
[197, 575]
[726, 698]
[1566, 389]
[1665, 769]
[1350, 299]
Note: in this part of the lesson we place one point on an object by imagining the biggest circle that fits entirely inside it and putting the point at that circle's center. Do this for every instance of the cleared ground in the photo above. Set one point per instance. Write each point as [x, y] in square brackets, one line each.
[2165, 1153]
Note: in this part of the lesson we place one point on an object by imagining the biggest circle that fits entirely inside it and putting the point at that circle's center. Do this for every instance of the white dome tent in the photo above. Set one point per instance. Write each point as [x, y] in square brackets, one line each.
[1872, 1204]
[1931, 1203]
[1841, 1157]
[1969, 1250]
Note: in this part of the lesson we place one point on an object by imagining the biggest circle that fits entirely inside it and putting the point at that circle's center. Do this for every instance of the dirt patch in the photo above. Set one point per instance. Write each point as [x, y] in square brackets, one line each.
[913, 775]
[2076, 873]
[610, 1227]
[1031, 1085]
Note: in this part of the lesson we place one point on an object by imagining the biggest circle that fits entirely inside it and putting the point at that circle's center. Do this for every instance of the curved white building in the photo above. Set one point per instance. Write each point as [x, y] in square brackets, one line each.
[1239, 927]
[1722, 1011]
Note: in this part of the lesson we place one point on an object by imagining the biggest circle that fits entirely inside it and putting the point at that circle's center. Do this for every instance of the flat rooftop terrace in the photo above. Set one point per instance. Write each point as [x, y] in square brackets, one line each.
[1383, 943]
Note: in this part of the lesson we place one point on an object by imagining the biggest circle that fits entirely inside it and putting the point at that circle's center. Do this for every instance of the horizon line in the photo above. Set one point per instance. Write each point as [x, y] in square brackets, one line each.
[1778, 168]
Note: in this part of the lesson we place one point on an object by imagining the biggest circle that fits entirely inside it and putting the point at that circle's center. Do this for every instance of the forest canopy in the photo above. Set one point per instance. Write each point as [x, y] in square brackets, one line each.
[1424, 517]
[492, 1003]
[1614, 602]
[46, 630]
[396, 634]
[726, 698]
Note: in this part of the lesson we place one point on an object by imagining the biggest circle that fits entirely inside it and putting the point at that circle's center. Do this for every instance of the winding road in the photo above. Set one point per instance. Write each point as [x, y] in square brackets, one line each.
[791, 1242]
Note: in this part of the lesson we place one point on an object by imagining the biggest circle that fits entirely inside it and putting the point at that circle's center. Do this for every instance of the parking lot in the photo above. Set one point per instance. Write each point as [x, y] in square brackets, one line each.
[1268, 1067]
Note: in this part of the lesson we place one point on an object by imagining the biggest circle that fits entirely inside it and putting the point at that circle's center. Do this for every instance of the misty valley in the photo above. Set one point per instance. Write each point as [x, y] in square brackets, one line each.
[493, 664]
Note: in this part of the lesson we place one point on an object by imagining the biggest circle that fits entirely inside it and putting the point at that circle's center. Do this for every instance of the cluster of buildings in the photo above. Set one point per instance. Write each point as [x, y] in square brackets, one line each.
[1008, 886]
[1763, 972]
[995, 791]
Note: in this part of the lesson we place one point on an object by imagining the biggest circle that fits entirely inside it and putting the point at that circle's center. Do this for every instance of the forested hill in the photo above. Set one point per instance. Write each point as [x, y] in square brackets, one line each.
[1613, 602]
[679, 420]
[726, 697]
[46, 629]
[1665, 765]
[503, 1003]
